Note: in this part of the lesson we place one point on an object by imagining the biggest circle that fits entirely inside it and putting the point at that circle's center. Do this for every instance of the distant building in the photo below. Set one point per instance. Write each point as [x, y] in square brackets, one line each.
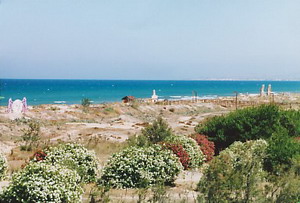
[128, 99]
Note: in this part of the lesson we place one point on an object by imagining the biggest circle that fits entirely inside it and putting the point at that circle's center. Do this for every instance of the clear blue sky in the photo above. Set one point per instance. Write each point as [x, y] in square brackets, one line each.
[150, 39]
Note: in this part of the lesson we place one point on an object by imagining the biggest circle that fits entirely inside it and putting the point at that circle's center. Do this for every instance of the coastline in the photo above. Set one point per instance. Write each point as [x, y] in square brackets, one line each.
[105, 127]
[106, 91]
[117, 121]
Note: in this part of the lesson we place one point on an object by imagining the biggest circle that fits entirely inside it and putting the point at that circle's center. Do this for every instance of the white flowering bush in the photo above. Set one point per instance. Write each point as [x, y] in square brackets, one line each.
[191, 147]
[3, 166]
[40, 182]
[138, 167]
[241, 153]
[236, 174]
[76, 157]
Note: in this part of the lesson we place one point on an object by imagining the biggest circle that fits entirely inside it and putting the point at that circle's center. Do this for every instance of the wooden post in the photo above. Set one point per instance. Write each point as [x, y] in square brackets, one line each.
[236, 100]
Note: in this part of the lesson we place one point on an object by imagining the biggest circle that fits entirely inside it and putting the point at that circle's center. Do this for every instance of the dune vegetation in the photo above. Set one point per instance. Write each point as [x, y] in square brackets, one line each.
[248, 155]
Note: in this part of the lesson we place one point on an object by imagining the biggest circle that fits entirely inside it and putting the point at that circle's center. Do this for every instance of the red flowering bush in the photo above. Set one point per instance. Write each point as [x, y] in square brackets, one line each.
[38, 156]
[206, 146]
[179, 152]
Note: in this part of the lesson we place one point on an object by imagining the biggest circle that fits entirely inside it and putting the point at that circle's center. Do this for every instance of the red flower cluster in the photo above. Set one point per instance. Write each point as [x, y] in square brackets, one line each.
[206, 146]
[39, 155]
[179, 152]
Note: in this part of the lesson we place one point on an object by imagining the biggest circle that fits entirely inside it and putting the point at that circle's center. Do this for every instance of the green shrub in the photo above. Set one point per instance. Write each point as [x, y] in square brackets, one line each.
[281, 151]
[157, 132]
[152, 134]
[284, 186]
[86, 102]
[76, 157]
[290, 120]
[249, 124]
[30, 135]
[191, 147]
[39, 182]
[3, 166]
[138, 140]
[139, 167]
[236, 174]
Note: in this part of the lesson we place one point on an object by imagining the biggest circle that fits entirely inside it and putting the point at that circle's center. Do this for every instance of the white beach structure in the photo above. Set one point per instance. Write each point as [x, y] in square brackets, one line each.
[24, 104]
[9, 105]
[17, 108]
[262, 90]
[269, 92]
[154, 96]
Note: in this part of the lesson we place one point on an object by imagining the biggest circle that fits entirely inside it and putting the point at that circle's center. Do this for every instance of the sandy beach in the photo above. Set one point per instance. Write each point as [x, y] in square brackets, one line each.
[104, 128]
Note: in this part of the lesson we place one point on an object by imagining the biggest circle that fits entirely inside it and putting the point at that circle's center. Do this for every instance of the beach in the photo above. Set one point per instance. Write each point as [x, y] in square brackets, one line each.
[115, 122]
[105, 128]
[70, 92]
[149, 101]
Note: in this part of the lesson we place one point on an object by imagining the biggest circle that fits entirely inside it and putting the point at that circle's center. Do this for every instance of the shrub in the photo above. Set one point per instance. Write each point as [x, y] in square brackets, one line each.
[206, 146]
[290, 119]
[248, 124]
[236, 174]
[191, 147]
[157, 132]
[39, 182]
[178, 150]
[139, 167]
[86, 102]
[138, 140]
[74, 156]
[281, 151]
[30, 135]
[3, 166]
[285, 186]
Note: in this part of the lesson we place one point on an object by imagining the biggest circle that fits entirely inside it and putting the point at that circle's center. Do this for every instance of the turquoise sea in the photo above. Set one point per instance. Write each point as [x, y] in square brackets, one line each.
[101, 91]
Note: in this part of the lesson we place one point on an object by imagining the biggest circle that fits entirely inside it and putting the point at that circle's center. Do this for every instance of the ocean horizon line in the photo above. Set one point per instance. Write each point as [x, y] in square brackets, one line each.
[212, 79]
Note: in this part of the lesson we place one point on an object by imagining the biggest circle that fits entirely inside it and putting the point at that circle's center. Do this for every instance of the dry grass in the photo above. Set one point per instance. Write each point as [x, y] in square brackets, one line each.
[17, 158]
[103, 148]
[155, 194]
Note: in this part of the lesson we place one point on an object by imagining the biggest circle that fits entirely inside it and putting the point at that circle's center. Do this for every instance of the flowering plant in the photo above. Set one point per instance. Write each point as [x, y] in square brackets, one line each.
[138, 167]
[40, 182]
[3, 166]
[39, 156]
[206, 146]
[191, 147]
[74, 156]
[179, 151]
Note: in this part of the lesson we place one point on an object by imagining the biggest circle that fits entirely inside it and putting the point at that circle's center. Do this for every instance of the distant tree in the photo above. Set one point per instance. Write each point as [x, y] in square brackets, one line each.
[30, 135]
[86, 102]
[158, 131]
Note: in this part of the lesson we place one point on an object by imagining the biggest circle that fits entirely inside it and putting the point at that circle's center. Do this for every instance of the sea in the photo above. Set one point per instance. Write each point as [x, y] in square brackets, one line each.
[103, 91]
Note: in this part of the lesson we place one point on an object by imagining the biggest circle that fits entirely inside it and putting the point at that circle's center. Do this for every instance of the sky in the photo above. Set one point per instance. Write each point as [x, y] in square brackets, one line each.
[150, 39]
